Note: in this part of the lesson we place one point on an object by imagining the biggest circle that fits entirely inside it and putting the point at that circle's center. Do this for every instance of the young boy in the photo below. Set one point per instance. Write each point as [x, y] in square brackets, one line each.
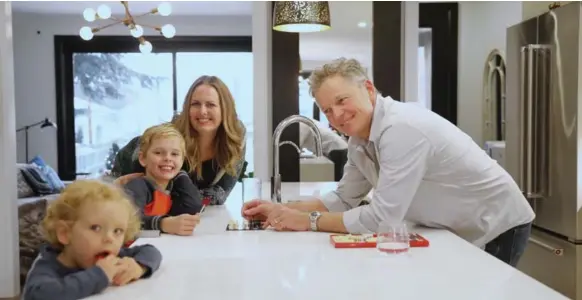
[166, 196]
[86, 228]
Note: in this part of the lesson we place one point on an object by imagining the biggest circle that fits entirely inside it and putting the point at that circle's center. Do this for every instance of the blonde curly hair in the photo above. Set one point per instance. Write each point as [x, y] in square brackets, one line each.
[82, 192]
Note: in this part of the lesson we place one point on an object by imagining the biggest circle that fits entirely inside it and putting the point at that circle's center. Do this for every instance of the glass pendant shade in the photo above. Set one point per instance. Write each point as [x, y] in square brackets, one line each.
[301, 16]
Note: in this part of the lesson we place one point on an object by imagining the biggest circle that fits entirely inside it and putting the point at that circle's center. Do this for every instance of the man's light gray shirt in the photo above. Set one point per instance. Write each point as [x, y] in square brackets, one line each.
[426, 170]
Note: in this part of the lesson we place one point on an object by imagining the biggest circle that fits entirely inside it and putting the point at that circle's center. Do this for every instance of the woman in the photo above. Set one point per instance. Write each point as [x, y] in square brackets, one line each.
[215, 141]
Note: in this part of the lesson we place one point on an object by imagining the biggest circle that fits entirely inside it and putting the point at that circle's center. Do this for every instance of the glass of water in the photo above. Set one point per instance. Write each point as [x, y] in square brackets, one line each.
[393, 238]
[253, 188]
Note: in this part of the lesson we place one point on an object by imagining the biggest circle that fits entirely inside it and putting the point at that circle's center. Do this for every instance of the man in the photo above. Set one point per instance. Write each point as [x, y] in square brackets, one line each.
[422, 168]
[333, 145]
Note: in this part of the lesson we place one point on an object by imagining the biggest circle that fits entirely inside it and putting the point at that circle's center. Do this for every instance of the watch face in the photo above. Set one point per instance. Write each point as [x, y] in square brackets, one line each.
[315, 214]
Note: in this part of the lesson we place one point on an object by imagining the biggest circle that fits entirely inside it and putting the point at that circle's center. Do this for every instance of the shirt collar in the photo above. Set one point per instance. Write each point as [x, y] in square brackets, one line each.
[154, 185]
[376, 126]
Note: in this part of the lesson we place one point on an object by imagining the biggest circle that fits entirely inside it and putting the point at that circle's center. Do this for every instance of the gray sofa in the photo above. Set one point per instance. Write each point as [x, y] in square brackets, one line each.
[31, 211]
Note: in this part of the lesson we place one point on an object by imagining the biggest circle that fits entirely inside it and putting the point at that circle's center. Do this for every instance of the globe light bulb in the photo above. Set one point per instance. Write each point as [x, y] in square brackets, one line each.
[136, 31]
[89, 14]
[165, 9]
[146, 47]
[86, 33]
[168, 31]
[103, 11]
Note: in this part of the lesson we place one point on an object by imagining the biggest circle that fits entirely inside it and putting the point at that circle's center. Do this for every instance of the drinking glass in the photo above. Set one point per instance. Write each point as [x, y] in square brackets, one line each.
[252, 189]
[393, 238]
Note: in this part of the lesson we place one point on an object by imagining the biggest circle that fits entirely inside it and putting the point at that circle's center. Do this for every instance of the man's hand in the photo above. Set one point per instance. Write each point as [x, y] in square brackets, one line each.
[180, 225]
[130, 271]
[258, 209]
[284, 218]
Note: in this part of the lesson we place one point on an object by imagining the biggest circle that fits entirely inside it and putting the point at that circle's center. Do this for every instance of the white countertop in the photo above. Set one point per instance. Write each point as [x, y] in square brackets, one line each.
[219, 264]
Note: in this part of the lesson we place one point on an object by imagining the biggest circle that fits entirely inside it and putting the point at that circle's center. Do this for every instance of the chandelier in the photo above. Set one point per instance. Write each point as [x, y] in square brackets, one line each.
[136, 30]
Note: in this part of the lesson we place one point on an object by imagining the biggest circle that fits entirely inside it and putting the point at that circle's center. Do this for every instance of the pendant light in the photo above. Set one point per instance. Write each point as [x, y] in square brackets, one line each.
[301, 16]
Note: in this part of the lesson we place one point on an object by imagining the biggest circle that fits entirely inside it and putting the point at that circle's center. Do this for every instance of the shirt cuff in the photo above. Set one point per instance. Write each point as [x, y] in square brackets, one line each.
[157, 222]
[352, 222]
[333, 203]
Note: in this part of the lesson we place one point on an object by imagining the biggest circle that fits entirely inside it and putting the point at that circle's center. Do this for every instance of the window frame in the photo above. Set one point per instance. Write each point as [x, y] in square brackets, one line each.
[66, 45]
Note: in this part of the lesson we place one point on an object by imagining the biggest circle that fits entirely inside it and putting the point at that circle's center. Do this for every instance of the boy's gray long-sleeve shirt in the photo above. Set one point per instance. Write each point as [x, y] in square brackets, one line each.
[48, 279]
[186, 198]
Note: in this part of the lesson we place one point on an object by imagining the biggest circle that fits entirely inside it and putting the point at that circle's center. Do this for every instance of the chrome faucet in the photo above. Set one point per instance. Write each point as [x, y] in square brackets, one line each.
[276, 190]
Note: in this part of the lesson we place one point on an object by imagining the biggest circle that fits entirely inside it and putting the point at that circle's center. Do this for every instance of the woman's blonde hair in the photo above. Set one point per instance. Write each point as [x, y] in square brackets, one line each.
[350, 69]
[82, 192]
[165, 130]
[229, 137]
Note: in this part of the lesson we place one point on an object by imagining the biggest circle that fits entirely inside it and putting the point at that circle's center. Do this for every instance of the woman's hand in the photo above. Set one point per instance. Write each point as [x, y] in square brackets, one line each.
[180, 225]
[121, 181]
[258, 209]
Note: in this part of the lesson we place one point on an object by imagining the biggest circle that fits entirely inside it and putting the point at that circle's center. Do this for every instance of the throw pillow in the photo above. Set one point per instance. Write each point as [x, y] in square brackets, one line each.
[24, 189]
[52, 177]
[36, 179]
[30, 216]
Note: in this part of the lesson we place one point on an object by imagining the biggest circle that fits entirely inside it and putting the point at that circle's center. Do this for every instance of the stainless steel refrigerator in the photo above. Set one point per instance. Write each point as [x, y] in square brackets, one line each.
[544, 141]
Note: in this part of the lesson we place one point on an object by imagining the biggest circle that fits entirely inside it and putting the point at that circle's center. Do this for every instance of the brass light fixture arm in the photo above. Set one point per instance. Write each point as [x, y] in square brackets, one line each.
[117, 21]
[157, 28]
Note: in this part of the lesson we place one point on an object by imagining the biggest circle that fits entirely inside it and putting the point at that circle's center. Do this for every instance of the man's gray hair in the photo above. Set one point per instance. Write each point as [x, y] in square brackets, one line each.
[350, 69]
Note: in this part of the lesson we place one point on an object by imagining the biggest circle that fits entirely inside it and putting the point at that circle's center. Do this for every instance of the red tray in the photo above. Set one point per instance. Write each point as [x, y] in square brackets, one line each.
[369, 241]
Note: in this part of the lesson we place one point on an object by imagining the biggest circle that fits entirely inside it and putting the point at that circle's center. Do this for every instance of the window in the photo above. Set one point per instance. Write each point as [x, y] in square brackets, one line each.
[109, 89]
[108, 92]
[235, 69]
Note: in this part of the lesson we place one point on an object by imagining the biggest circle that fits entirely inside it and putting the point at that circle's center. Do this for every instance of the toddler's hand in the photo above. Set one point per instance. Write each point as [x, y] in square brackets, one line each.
[181, 225]
[130, 270]
[109, 266]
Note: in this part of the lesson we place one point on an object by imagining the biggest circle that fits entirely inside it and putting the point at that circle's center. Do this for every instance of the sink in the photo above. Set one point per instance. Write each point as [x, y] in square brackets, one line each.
[316, 169]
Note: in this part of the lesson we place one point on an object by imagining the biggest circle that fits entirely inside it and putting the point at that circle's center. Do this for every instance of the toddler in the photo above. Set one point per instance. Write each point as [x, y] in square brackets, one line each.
[165, 195]
[86, 228]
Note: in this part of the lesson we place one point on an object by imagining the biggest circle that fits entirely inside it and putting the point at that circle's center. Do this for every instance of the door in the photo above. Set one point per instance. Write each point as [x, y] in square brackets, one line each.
[558, 211]
[441, 20]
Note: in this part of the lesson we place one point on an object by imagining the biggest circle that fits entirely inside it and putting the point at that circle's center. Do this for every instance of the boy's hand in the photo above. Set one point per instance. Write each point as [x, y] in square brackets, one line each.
[110, 266]
[130, 271]
[181, 225]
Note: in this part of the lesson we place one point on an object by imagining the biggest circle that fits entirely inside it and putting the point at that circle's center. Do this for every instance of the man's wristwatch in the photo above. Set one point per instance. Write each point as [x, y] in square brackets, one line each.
[313, 217]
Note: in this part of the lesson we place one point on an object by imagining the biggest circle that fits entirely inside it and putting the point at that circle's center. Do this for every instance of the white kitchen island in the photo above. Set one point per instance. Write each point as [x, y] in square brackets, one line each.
[215, 264]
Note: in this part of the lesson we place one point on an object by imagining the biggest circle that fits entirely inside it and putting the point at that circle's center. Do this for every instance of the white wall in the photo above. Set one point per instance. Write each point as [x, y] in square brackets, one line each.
[535, 8]
[482, 28]
[409, 53]
[35, 73]
[262, 91]
[9, 263]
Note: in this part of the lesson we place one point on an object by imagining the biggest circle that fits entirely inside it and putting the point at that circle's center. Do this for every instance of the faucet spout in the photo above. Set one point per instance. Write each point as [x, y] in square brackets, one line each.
[276, 182]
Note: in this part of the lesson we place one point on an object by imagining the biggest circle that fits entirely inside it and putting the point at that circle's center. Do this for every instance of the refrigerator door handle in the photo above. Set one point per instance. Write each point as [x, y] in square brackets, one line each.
[534, 81]
[501, 73]
[556, 251]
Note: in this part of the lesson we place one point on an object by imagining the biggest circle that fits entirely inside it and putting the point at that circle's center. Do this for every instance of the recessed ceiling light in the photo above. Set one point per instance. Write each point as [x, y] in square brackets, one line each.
[362, 24]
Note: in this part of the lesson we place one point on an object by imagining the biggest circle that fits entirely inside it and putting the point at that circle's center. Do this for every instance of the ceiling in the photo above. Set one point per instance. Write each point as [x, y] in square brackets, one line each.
[345, 38]
[179, 8]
